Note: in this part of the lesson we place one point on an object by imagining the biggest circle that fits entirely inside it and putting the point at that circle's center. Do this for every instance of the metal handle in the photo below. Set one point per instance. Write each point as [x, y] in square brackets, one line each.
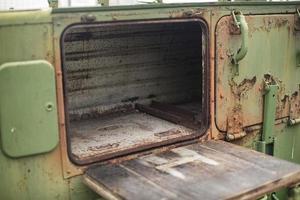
[241, 23]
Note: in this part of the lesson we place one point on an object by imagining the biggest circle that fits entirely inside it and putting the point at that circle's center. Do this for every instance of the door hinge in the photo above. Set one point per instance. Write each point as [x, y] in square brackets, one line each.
[235, 125]
[266, 143]
[235, 136]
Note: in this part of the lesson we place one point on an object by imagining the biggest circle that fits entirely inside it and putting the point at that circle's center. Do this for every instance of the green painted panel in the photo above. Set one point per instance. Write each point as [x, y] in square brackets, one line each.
[33, 178]
[28, 114]
[287, 147]
[26, 42]
[287, 142]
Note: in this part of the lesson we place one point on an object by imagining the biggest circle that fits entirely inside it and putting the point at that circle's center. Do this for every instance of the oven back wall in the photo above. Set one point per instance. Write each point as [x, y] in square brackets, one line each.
[108, 66]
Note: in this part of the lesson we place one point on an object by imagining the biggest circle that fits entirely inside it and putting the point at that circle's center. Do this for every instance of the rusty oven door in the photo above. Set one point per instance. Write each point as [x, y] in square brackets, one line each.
[269, 46]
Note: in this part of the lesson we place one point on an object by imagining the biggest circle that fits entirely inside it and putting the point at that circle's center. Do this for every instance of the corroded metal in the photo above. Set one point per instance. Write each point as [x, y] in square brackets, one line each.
[111, 66]
[249, 100]
[31, 35]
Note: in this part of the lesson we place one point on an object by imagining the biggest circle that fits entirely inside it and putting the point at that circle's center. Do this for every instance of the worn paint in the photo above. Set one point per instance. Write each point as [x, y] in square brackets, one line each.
[281, 63]
[31, 35]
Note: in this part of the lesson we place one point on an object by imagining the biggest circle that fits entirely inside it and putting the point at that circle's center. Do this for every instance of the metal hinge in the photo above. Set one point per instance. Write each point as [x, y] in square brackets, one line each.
[235, 125]
[266, 143]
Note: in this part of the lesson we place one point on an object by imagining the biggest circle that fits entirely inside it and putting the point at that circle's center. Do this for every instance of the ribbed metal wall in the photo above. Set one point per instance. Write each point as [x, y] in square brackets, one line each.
[113, 65]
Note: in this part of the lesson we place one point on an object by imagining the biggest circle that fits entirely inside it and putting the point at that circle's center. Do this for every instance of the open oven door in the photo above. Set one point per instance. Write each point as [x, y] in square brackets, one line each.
[209, 170]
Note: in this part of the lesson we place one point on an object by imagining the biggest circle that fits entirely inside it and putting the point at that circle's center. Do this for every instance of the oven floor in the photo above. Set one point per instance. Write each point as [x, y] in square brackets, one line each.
[107, 135]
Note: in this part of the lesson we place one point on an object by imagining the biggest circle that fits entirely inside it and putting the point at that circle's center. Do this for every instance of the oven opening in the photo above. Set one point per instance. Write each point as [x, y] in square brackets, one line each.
[131, 86]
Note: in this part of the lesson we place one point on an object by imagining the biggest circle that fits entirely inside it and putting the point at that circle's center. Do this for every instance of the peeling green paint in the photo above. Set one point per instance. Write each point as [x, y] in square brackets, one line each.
[35, 35]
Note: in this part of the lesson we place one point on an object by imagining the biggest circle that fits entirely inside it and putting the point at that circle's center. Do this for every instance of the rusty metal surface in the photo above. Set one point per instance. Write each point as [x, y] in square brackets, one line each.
[272, 50]
[29, 35]
[295, 105]
[61, 21]
[113, 135]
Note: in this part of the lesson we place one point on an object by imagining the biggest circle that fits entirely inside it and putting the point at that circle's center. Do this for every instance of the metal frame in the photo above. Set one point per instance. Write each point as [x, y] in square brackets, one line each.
[205, 90]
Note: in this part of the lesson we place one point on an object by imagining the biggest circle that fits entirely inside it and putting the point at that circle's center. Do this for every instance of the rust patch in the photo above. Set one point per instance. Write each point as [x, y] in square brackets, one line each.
[239, 90]
[282, 99]
[268, 78]
[271, 23]
[282, 105]
[235, 120]
[235, 117]
[297, 23]
[268, 23]
[295, 105]
[238, 95]
[285, 98]
[168, 133]
[187, 14]
[104, 147]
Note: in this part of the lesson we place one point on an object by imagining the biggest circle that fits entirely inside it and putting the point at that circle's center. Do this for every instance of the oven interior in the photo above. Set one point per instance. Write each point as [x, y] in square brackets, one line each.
[131, 86]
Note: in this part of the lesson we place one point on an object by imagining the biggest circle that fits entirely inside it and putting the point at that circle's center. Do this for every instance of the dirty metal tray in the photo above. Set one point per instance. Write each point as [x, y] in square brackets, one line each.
[210, 170]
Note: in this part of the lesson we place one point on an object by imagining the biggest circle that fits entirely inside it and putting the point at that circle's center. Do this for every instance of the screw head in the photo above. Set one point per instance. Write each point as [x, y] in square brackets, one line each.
[49, 106]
